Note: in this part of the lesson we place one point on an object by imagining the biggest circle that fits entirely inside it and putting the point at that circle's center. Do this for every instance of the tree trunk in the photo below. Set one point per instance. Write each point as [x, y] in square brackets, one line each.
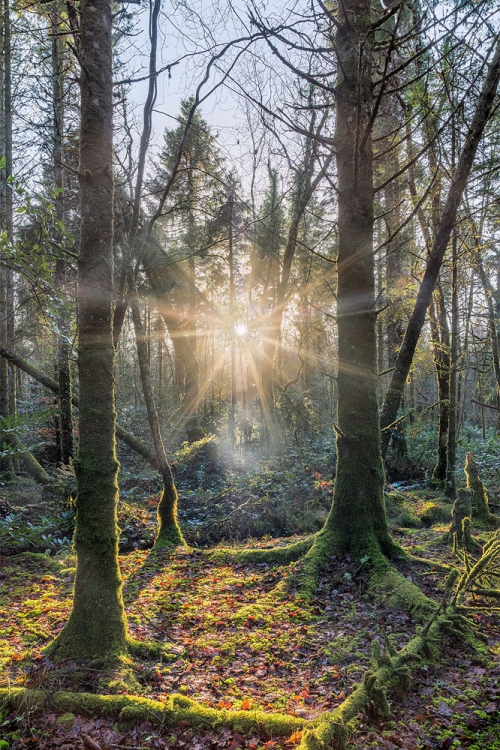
[5, 205]
[63, 335]
[232, 321]
[97, 624]
[451, 458]
[29, 462]
[357, 521]
[482, 114]
[440, 336]
[168, 526]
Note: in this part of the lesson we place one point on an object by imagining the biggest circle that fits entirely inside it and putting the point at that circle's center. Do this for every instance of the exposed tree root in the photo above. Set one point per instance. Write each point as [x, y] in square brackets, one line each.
[390, 670]
[135, 710]
[402, 593]
[272, 555]
[315, 552]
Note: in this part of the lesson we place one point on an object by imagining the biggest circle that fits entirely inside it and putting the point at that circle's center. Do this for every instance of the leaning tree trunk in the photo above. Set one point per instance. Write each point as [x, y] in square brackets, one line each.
[357, 521]
[475, 131]
[137, 445]
[97, 624]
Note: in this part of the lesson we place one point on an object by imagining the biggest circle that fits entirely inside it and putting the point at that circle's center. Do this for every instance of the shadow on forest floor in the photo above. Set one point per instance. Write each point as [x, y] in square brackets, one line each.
[237, 646]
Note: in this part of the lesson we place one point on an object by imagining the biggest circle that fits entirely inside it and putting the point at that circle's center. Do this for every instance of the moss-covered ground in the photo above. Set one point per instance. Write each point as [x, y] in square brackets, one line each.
[235, 642]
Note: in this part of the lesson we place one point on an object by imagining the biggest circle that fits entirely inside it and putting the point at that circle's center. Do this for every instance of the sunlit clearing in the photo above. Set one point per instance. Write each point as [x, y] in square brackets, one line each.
[240, 329]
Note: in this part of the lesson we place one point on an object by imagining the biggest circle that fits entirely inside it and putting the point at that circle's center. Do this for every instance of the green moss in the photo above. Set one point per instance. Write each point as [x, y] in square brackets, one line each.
[402, 592]
[135, 710]
[435, 512]
[479, 496]
[276, 555]
[169, 532]
[67, 720]
[151, 649]
[328, 734]
[390, 669]
[408, 520]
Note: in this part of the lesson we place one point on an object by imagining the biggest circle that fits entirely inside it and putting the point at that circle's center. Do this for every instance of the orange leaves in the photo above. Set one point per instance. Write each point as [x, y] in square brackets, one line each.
[246, 705]
[294, 738]
[225, 704]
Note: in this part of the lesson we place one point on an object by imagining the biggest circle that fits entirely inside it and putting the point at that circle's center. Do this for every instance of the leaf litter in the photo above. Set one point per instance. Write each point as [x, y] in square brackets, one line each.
[236, 646]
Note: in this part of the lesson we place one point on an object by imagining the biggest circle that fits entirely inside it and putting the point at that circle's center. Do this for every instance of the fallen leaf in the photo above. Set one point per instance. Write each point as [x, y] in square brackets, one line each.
[90, 743]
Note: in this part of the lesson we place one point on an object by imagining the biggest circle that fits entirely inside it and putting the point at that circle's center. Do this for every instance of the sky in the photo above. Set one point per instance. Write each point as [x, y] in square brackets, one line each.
[182, 37]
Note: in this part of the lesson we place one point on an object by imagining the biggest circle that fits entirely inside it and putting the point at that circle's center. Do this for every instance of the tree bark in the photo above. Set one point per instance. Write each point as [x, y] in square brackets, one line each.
[482, 114]
[357, 521]
[5, 203]
[63, 334]
[168, 526]
[451, 457]
[440, 336]
[97, 624]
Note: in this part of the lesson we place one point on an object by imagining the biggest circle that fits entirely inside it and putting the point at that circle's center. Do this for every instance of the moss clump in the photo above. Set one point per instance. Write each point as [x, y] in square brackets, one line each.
[403, 593]
[408, 520]
[151, 649]
[433, 512]
[459, 532]
[67, 720]
[479, 495]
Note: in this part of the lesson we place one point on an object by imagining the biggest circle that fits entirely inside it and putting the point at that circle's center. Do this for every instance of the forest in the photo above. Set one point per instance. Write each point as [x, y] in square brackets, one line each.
[249, 374]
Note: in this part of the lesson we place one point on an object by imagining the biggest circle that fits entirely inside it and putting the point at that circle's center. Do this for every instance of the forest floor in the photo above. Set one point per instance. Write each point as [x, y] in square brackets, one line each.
[236, 645]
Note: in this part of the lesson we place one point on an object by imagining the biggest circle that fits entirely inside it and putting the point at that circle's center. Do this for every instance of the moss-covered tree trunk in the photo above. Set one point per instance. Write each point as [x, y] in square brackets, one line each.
[440, 335]
[97, 625]
[168, 527]
[5, 208]
[357, 521]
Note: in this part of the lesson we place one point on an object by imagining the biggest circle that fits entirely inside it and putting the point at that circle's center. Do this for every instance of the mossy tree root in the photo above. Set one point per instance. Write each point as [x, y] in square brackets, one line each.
[177, 709]
[390, 670]
[402, 592]
[272, 555]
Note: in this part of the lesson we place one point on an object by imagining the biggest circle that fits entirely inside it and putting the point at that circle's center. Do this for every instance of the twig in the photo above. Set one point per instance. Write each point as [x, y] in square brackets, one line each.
[488, 406]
